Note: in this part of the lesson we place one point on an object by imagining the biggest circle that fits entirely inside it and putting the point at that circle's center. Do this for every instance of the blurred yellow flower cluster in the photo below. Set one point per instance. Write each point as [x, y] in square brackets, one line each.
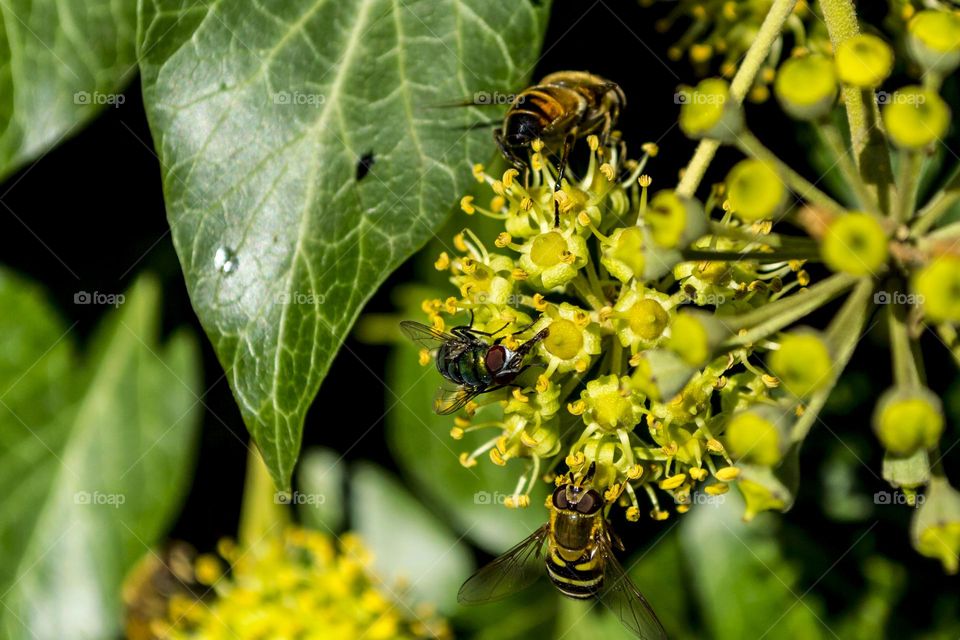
[298, 586]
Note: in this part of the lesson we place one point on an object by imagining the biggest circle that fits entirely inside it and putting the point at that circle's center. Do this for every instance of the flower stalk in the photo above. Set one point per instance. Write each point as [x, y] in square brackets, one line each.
[770, 31]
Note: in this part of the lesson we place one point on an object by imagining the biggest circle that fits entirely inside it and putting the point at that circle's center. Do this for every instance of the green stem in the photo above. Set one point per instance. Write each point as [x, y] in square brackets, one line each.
[831, 135]
[906, 370]
[765, 257]
[928, 216]
[947, 233]
[582, 288]
[938, 205]
[750, 145]
[770, 318]
[769, 31]
[911, 163]
[260, 512]
[843, 335]
[870, 149]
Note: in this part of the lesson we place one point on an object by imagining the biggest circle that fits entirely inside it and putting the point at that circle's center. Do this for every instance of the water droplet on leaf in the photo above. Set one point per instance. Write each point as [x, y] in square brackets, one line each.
[225, 260]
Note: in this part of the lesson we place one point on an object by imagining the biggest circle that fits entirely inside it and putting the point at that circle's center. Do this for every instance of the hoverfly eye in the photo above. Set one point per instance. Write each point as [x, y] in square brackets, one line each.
[560, 498]
[496, 358]
[590, 503]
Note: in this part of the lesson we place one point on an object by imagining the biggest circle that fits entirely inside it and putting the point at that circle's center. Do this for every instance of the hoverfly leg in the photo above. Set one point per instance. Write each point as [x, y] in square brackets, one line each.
[615, 539]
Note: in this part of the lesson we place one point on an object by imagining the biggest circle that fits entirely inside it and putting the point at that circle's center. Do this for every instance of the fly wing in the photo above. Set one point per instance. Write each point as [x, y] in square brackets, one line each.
[622, 597]
[451, 398]
[516, 569]
[426, 336]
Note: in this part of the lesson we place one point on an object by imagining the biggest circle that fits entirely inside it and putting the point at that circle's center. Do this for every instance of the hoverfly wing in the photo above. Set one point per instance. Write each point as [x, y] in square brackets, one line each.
[450, 398]
[424, 335]
[621, 596]
[516, 569]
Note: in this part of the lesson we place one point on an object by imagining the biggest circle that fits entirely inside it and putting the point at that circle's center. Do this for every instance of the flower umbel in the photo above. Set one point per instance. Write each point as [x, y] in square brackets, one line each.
[299, 585]
[676, 360]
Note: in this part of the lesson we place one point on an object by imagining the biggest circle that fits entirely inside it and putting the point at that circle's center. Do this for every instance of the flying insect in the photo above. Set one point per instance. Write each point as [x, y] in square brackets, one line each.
[575, 550]
[562, 108]
[469, 362]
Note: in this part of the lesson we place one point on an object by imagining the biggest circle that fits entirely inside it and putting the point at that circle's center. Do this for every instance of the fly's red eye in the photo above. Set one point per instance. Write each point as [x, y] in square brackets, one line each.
[560, 498]
[496, 358]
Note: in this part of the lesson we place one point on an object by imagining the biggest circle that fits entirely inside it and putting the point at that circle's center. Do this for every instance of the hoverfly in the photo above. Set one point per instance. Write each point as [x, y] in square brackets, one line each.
[561, 108]
[465, 359]
[575, 549]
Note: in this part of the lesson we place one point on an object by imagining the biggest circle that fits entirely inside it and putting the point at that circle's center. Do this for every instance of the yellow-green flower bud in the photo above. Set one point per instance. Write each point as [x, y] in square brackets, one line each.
[864, 61]
[694, 335]
[675, 221]
[640, 319]
[937, 286]
[661, 374]
[908, 472]
[802, 362]
[623, 256]
[764, 489]
[612, 403]
[573, 338]
[916, 118]
[936, 525]
[758, 436]
[542, 437]
[708, 111]
[934, 40]
[755, 191]
[908, 419]
[807, 86]
[552, 259]
[855, 243]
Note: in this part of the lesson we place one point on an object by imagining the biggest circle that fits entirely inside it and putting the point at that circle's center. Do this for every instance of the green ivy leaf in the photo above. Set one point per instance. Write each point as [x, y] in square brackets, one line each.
[60, 63]
[94, 458]
[410, 545]
[745, 586]
[261, 115]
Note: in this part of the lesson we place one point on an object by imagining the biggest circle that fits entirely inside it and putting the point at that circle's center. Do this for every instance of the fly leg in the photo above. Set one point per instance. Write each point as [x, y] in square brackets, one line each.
[469, 333]
[564, 157]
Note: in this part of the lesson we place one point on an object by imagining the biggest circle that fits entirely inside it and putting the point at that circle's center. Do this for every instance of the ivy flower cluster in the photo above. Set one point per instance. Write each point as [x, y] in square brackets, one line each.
[677, 358]
[300, 585]
[715, 35]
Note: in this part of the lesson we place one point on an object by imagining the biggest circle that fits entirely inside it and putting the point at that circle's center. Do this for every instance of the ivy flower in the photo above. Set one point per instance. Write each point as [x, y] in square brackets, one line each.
[298, 585]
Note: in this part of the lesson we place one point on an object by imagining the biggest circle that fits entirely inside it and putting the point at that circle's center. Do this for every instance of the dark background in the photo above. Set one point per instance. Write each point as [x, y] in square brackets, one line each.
[95, 201]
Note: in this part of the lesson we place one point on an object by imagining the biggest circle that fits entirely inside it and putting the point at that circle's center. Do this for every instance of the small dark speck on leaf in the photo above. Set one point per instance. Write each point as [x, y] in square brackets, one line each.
[363, 165]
